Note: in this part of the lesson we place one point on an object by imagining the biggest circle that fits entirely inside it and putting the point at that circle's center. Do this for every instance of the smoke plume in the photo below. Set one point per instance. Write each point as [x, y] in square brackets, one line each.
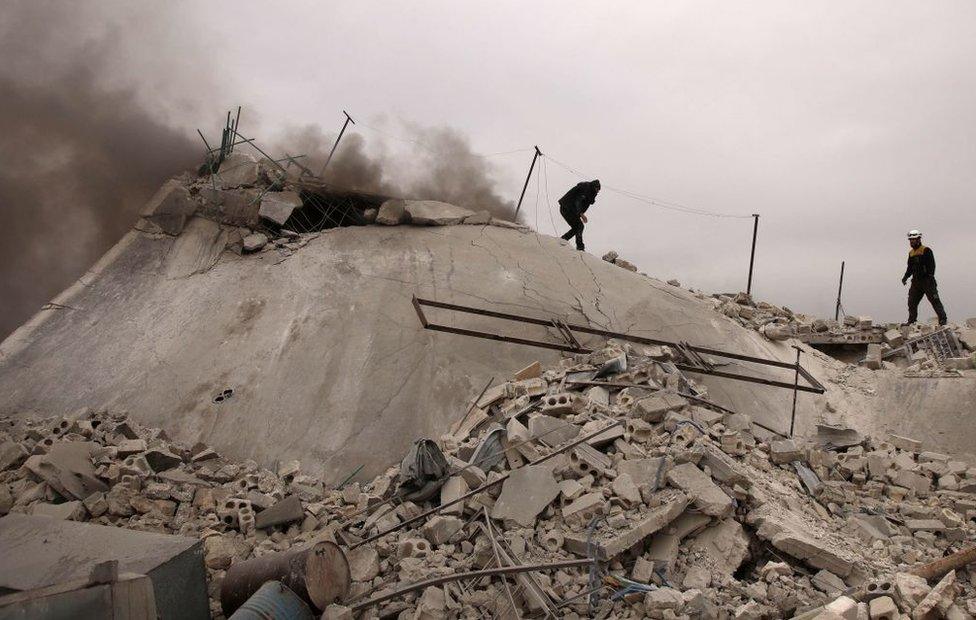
[79, 158]
[437, 164]
[77, 161]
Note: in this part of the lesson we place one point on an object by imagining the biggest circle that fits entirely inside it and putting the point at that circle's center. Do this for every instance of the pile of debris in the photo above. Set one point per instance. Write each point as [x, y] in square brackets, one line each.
[263, 205]
[917, 350]
[605, 485]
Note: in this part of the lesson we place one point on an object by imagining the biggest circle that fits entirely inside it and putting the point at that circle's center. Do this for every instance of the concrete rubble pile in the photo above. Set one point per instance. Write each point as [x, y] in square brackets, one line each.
[255, 205]
[886, 343]
[691, 510]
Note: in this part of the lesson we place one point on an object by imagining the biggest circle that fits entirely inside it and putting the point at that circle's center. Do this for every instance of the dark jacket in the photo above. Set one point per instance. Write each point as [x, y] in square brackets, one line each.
[921, 263]
[578, 199]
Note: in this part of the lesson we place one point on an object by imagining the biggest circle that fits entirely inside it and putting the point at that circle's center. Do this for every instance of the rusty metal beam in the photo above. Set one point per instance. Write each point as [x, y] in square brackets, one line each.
[474, 574]
[815, 386]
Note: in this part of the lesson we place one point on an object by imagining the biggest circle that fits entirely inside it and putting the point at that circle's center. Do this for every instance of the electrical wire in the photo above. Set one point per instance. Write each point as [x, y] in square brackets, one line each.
[545, 171]
[434, 151]
[657, 202]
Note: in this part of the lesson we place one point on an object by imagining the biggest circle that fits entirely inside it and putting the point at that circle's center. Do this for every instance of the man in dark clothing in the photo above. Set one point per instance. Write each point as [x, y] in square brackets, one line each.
[573, 207]
[921, 269]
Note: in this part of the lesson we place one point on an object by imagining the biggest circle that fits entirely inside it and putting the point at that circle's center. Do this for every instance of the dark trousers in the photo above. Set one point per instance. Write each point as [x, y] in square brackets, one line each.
[576, 225]
[925, 287]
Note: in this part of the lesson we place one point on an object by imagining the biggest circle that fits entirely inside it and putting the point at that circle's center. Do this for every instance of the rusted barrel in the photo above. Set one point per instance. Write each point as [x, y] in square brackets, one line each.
[273, 601]
[319, 575]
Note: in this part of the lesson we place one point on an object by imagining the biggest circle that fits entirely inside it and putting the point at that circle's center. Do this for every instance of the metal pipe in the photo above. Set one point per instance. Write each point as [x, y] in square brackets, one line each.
[938, 568]
[507, 570]
[752, 254]
[273, 600]
[796, 385]
[334, 146]
[234, 127]
[535, 156]
[840, 287]
[319, 575]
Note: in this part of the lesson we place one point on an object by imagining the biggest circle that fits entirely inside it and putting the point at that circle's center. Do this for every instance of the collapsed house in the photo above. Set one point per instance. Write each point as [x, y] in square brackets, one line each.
[242, 370]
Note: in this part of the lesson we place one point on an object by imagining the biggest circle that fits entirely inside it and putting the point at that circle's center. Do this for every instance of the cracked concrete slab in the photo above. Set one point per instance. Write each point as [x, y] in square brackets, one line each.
[328, 340]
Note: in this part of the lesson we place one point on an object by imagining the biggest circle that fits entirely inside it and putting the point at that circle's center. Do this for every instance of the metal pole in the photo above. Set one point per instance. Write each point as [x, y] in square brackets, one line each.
[796, 384]
[752, 254]
[341, 131]
[237, 123]
[535, 156]
[840, 287]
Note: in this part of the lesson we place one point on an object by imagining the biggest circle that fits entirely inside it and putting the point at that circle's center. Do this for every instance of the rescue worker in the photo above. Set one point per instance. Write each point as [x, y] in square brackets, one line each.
[573, 208]
[921, 269]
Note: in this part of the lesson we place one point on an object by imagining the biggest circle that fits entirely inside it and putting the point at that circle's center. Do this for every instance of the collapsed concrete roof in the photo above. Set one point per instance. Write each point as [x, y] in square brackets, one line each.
[311, 349]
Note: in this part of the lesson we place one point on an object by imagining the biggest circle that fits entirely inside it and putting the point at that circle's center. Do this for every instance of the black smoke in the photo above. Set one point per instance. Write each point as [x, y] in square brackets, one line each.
[437, 164]
[77, 160]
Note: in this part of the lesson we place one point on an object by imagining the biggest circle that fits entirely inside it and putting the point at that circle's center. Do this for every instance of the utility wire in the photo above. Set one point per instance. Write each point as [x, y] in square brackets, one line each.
[545, 171]
[656, 202]
[434, 151]
[663, 204]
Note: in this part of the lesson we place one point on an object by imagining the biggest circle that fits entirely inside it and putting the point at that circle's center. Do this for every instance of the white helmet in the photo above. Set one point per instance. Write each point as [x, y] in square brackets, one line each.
[914, 234]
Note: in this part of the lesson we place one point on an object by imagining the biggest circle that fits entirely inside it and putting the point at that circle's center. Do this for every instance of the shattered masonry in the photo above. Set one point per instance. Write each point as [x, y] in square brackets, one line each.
[695, 506]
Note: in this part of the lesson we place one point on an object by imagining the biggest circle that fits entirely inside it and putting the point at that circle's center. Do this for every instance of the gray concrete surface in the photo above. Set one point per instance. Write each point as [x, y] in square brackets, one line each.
[322, 348]
[39, 551]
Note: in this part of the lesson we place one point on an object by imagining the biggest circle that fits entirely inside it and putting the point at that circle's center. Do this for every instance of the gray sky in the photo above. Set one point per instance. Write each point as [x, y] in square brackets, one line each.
[843, 124]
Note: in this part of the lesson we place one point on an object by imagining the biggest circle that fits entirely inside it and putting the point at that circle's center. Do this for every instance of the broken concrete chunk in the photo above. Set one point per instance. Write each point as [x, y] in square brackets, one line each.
[288, 510]
[434, 213]
[837, 436]
[127, 447]
[904, 443]
[663, 599]
[653, 408]
[525, 494]
[790, 538]
[278, 206]
[12, 455]
[706, 495]
[239, 168]
[364, 564]
[828, 583]
[623, 487]
[441, 528]
[911, 589]
[478, 218]
[609, 544]
[643, 471]
[725, 543]
[883, 608]
[454, 488]
[551, 430]
[160, 459]
[168, 209]
[784, 451]
[254, 242]
[67, 511]
[937, 602]
[68, 469]
[532, 371]
[663, 547]
[391, 213]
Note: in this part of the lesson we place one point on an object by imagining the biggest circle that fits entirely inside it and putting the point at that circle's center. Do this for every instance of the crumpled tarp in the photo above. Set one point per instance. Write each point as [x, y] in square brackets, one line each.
[423, 471]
